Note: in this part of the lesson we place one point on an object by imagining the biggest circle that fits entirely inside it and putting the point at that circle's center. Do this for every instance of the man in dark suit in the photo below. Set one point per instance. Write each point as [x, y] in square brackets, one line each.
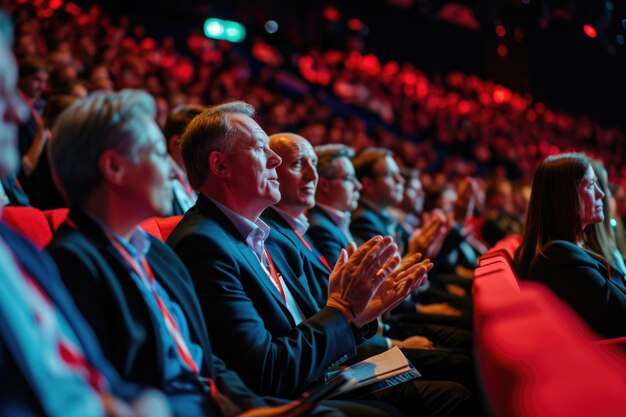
[131, 287]
[251, 281]
[337, 194]
[383, 186]
[50, 361]
[298, 180]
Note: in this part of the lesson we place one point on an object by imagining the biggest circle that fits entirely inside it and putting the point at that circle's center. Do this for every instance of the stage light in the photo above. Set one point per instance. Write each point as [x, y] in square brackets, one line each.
[620, 40]
[500, 31]
[590, 31]
[624, 23]
[271, 26]
[224, 30]
[502, 50]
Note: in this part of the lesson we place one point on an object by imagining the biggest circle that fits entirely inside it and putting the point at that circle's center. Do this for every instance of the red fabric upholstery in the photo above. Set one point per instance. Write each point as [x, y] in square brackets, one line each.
[505, 247]
[30, 222]
[56, 217]
[150, 226]
[537, 358]
[167, 225]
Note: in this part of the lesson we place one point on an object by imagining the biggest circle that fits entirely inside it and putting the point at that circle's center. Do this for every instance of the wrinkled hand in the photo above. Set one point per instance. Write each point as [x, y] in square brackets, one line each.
[359, 273]
[402, 281]
[414, 342]
[292, 409]
[443, 309]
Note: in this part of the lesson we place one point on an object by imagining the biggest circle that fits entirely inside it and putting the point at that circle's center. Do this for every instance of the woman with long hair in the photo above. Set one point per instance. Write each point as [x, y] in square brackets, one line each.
[601, 236]
[565, 199]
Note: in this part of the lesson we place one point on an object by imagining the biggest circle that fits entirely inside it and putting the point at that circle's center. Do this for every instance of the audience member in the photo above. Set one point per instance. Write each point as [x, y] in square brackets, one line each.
[177, 121]
[337, 194]
[564, 201]
[285, 341]
[51, 362]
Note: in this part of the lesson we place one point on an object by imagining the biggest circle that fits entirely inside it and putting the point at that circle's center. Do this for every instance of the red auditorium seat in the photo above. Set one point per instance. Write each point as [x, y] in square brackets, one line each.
[56, 217]
[160, 227]
[505, 247]
[537, 358]
[30, 222]
[150, 226]
[167, 224]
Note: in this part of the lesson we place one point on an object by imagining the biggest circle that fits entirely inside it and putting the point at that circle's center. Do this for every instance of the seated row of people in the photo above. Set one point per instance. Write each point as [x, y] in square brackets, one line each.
[150, 317]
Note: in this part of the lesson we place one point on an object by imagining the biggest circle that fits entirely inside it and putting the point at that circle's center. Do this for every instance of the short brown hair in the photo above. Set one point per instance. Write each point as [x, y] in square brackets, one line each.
[326, 155]
[212, 130]
[365, 161]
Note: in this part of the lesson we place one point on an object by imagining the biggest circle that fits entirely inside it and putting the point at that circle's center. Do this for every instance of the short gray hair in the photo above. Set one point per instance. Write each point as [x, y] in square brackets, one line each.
[90, 126]
[212, 130]
[327, 154]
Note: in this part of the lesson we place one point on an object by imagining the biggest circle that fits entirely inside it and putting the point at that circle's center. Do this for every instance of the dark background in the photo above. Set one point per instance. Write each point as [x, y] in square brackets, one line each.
[552, 59]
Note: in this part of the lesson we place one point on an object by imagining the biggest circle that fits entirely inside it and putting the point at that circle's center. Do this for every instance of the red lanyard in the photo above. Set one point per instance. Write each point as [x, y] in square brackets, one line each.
[308, 246]
[69, 353]
[274, 275]
[170, 323]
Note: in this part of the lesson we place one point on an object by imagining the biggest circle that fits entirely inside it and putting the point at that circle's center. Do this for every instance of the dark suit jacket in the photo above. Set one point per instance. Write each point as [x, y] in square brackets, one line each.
[315, 271]
[326, 235]
[108, 297]
[367, 223]
[16, 394]
[258, 336]
[581, 279]
[16, 195]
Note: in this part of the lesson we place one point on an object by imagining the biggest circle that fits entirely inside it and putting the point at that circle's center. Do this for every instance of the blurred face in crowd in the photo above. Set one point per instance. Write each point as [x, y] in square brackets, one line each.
[34, 85]
[591, 199]
[12, 111]
[251, 168]
[414, 195]
[297, 174]
[149, 174]
[342, 189]
[386, 187]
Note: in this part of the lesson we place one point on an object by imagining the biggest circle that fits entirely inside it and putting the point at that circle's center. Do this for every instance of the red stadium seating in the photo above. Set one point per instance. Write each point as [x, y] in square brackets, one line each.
[167, 225]
[150, 226]
[535, 356]
[56, 217]
[30, 222]
[160, 227]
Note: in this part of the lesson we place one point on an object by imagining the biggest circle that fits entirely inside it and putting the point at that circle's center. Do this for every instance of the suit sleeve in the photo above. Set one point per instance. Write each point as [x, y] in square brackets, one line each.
[228, 382]
[574, 276]
[325, 242]
[271, 364]
[363, 229]
[82, 281]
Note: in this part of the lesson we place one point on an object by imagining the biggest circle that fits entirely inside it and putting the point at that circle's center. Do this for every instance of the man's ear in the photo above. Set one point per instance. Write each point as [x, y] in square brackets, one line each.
[218, 164]
[112, 167]
[173, 145]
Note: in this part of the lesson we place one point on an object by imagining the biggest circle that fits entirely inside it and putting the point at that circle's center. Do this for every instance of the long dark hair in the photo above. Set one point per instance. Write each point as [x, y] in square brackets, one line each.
[554, 211]
[601, 236]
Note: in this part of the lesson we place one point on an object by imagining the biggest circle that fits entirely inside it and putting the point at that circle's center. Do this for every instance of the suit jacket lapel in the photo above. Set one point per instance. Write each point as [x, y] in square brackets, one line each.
[332, 226]
[210, 210]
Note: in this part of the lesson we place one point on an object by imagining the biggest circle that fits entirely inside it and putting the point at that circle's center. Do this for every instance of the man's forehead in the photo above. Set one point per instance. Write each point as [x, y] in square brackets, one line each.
[249, 125]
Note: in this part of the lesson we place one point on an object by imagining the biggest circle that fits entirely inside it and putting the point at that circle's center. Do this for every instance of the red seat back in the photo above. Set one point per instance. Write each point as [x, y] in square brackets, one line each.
[30, 222]
[167, 225]
[56, 217]
[150, 226]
